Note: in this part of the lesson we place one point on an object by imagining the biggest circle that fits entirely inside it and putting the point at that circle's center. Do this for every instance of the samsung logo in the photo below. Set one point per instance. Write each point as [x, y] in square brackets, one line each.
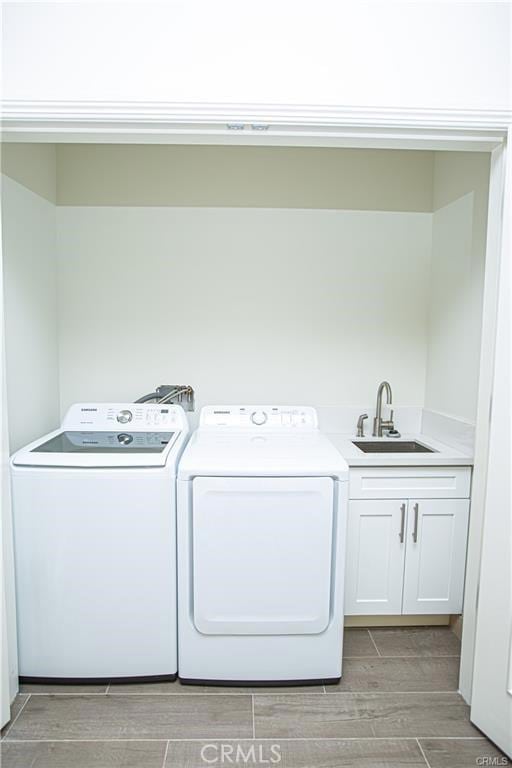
[88, 409]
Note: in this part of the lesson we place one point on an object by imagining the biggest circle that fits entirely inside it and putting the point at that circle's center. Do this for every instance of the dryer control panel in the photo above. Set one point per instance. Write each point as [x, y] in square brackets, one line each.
[259, 417]
[125, 417]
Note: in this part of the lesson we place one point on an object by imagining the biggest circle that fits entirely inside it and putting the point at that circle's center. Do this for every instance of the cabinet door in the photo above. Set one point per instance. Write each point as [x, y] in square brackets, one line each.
[375, 556]
[436, 555]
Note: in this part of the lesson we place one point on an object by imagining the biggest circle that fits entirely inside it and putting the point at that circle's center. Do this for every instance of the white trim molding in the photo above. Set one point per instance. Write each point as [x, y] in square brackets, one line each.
[257, 124]
[487, 385]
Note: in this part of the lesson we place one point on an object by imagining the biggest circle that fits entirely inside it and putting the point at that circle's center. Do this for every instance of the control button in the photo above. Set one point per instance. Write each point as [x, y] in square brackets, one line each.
[259, 418]
[125, 439]
[124, 417]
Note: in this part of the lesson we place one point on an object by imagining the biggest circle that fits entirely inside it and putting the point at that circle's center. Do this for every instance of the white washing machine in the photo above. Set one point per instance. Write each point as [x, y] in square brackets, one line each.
[262, 510]
[94, 510]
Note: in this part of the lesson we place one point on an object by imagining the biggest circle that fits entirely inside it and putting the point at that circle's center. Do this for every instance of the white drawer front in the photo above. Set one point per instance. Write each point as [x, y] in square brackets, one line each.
[400, 482]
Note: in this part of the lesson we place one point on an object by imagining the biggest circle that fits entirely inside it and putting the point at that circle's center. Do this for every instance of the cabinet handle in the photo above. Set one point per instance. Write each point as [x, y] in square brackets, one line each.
[415, 530]
[402, 524]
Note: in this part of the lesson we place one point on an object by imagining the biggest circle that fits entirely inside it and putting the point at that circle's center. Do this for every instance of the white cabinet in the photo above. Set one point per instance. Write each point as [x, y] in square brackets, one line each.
[375, 557]
[406, 555]
[435, 557]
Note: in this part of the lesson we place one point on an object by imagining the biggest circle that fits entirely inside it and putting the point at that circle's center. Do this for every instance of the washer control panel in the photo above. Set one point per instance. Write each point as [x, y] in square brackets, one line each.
[259, 416]
[126, 417]
[125, 439]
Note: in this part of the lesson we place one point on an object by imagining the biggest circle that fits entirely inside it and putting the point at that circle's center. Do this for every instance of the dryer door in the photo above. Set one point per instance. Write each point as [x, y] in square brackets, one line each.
[262, 555]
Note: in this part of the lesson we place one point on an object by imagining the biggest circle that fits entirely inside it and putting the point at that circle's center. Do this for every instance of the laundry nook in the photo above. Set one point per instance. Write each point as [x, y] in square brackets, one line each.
[256, 385]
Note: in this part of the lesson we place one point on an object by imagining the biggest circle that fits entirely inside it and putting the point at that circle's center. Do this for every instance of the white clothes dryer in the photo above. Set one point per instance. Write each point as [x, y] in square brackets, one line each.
[94, 510]
[262, 512]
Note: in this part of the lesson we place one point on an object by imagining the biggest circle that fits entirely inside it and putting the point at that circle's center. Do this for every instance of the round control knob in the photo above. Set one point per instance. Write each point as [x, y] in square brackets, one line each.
[124, 417]
[125, 439]
[259, 418]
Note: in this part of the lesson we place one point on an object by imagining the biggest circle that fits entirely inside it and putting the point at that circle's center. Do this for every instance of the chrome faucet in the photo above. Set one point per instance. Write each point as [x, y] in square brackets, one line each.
[378, 423]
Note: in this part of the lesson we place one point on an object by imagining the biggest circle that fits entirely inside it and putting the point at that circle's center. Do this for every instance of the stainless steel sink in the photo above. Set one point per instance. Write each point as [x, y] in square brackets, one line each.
[392, 446]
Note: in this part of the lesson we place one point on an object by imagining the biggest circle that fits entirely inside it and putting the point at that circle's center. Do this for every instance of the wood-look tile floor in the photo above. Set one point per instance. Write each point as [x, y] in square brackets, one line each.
[396, 706]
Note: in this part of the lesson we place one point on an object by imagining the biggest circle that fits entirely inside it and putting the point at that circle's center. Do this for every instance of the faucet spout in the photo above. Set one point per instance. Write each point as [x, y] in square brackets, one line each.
[378, 423]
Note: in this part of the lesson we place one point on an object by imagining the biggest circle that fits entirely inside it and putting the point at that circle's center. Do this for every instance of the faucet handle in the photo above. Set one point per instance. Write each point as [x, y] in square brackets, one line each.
[360, 424]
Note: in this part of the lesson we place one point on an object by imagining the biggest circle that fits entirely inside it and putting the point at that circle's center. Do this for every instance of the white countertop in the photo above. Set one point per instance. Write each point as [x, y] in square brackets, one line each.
[444, 455]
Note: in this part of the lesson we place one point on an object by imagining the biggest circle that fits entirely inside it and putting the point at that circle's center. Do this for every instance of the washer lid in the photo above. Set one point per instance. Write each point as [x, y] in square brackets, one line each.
[110, 435]
[225, 453]
[98, 449]
[105, 442]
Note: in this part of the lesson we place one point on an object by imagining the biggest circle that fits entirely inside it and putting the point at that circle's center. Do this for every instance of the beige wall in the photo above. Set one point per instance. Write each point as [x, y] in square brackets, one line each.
[31, 312]
[153, 175]
[456, 174]
[33, 166]
[244, 304]
[459, 227]
[453, 186]
[30, 288]
[245, 271]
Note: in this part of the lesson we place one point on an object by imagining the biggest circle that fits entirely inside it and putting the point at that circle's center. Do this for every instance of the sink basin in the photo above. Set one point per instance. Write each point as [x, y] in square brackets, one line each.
[392, 446]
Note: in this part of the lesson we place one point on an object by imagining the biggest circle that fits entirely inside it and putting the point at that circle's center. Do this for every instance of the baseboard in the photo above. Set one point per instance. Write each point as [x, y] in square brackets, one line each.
[456, 625]
[438, 620]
